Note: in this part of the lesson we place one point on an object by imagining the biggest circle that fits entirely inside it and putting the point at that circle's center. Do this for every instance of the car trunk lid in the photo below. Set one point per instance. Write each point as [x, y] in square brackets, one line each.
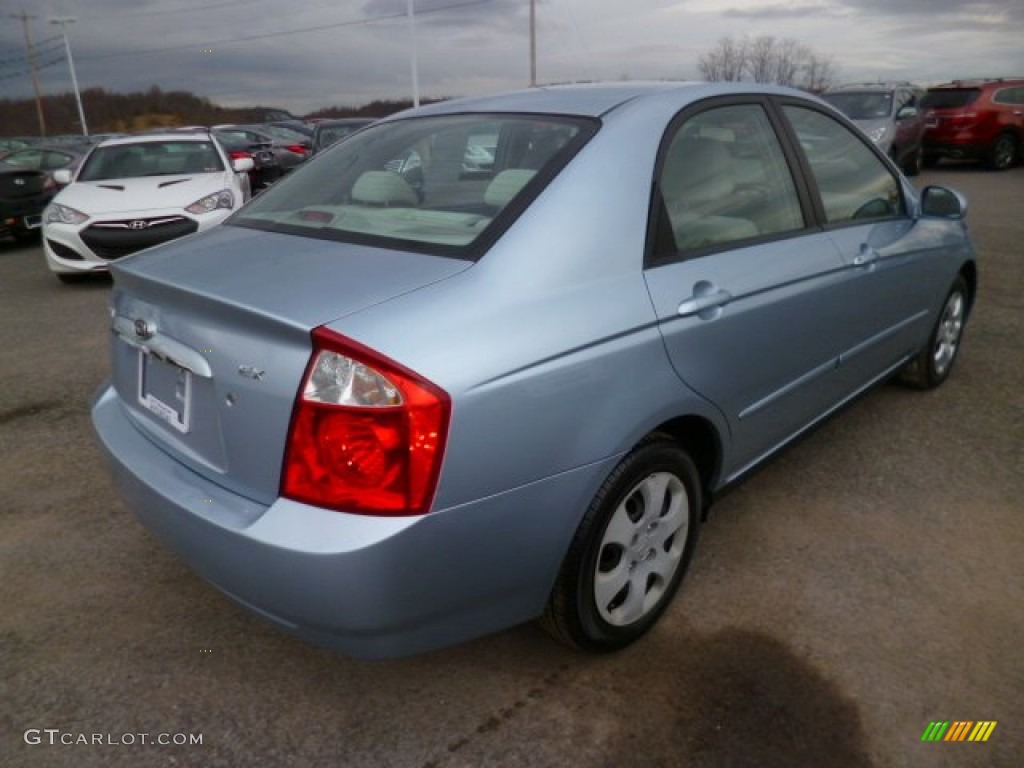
[16, 184]
[211, 337]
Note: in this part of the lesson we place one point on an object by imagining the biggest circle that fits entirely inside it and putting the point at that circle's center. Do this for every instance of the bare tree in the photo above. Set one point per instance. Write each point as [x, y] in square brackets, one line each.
[762, 53]
[765, 59]
[788, 61]
[726, 62]
[819, 72]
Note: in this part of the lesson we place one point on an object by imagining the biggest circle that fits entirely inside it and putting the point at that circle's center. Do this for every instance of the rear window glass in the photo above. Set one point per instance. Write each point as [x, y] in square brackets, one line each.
[444, 184]
[151, 158]
[951, 98]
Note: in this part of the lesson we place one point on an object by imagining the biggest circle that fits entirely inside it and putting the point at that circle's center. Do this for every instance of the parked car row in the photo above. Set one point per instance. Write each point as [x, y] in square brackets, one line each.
[962, 120]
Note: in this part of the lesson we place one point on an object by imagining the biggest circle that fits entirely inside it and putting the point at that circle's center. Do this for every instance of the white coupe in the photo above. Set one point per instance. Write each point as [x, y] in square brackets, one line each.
[139, 191]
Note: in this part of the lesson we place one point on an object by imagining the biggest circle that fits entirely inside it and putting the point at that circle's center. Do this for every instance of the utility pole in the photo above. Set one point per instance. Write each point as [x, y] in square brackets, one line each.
[63, 20]
[32, 68]
[533, 43]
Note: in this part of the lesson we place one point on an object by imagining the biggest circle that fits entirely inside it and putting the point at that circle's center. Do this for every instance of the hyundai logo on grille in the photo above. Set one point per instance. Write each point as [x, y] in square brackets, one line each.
[143, 329]
[138, 224]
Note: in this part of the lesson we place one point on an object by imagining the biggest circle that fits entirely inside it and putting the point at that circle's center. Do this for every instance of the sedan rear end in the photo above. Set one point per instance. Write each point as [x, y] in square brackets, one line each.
[398, 401]
[24, 194]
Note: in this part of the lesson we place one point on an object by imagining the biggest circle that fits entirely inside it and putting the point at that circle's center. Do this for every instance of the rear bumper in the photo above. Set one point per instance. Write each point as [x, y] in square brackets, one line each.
[24, 215]
[372, 587]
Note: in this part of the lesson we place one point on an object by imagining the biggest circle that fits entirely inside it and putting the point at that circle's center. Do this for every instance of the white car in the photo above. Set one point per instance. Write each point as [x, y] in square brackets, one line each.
[138, 191]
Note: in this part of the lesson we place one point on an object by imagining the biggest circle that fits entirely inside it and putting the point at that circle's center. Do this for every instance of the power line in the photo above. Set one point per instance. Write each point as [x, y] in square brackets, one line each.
[38, 49]
[168, 11]
[39, 66]
[284, 33]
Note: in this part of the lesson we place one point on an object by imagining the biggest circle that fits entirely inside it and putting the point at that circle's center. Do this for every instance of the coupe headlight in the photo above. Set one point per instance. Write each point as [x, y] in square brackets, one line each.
[56, 213]
[222, 199]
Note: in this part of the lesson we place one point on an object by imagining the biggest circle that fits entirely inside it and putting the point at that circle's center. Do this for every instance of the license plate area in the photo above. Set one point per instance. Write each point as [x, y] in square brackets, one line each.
[165, 389]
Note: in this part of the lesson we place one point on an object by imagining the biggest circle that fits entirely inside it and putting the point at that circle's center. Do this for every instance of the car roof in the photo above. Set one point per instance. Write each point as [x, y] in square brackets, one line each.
[79, 148]
[981, 82]
[868, 87]
[592, 99]
[163, 136]
[328, 122]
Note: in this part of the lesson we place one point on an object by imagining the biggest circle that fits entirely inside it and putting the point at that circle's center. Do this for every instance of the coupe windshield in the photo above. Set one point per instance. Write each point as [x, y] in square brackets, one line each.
[431, 183]
[151, 158]
[861, 105]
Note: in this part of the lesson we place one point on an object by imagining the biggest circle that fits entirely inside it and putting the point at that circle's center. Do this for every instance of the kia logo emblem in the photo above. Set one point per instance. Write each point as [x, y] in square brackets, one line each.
[138, 224]
[143, 329]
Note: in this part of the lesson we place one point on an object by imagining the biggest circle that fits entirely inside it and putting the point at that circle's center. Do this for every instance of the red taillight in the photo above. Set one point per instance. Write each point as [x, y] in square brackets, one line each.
[367, 435]
[297, 148]
[238, 154]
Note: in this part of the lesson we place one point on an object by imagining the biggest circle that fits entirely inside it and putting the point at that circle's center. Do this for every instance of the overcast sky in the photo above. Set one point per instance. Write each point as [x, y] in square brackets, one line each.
[307, 54]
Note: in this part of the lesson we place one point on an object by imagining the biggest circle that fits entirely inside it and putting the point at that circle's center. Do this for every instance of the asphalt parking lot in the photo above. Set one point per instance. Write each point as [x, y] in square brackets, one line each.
[866, 583]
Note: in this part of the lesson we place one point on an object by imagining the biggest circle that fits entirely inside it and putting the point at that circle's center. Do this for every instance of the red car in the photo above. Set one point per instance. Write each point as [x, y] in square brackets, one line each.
[975, 119]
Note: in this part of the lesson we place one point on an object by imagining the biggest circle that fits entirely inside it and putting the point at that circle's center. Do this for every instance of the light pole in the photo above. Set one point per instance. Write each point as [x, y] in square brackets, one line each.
[63, 20]
[411, 14]
[533, 43]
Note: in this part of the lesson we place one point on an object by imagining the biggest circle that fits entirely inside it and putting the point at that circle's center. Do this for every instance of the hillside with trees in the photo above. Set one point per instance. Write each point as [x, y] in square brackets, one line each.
[107, 112]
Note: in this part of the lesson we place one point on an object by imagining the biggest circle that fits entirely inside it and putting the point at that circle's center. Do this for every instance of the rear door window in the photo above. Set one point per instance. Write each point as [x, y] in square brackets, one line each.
[949, 98]
[724, 179]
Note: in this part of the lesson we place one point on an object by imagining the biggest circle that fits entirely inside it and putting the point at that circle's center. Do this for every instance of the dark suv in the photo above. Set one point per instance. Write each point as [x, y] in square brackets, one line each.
[976, 120]
[888, 114]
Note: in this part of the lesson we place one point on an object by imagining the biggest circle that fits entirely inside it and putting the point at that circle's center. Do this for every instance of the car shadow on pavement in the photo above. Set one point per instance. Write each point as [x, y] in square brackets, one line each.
[735, 698]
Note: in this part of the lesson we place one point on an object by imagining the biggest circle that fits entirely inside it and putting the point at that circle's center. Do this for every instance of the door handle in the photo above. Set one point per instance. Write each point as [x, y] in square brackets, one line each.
[867, 255]
[703, 300]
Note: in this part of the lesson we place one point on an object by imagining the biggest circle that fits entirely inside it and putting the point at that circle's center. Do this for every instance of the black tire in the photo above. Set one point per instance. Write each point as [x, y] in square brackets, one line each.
[658, 471]
[914, 162]
[69, 278]
[929, 161]
[933, 364]
[1003, 153]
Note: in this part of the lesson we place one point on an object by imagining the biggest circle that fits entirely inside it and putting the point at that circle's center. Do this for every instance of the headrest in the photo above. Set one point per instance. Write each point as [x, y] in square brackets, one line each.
[383, 188]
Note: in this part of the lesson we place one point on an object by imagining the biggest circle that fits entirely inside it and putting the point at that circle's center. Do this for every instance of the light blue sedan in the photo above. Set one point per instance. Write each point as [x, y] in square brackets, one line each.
[396, 402]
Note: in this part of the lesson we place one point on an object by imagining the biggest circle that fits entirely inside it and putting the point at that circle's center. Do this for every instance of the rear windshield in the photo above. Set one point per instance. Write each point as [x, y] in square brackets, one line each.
[444, 184]
[951, 98]
[864, 105]
[151, 158]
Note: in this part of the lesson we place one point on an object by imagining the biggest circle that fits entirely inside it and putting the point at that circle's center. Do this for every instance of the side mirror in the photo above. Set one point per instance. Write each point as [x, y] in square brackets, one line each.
[906, 113]
[62, 177]
[242, 164]
[943, 203]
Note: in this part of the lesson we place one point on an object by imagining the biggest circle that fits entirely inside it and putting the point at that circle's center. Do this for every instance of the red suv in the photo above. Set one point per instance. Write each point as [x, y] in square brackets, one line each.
[975, 119]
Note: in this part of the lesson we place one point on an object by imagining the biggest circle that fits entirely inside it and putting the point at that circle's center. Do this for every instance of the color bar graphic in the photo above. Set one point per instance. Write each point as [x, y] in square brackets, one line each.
[958, 730]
